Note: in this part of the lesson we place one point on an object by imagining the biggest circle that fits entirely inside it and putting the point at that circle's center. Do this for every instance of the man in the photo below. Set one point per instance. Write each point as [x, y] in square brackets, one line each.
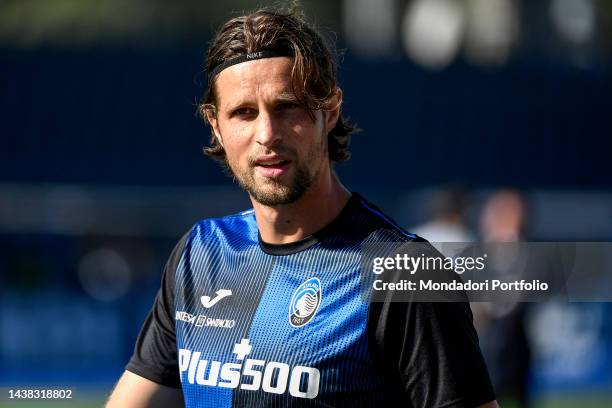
[268, 307]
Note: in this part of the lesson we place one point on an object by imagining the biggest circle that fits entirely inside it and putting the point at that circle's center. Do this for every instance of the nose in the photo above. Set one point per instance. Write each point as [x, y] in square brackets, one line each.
[267, 129]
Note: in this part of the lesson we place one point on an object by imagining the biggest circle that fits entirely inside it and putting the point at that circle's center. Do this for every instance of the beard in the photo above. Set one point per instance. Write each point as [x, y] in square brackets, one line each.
[285, 189]
[272, 192]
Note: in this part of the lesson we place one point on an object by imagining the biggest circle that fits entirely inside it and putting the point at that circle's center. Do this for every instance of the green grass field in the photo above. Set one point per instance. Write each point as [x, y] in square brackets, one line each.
[573, 401]
[567, 401]
[84, 400]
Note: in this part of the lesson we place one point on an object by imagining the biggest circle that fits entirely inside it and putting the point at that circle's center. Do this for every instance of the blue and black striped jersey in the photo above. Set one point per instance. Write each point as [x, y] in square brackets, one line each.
[242, 323]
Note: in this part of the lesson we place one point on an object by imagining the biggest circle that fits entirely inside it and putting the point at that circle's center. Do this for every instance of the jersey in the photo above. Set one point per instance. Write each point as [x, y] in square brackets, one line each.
[242, 323]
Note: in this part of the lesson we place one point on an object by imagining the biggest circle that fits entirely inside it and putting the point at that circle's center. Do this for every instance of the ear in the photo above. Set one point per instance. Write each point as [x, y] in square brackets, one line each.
[333, 111]
[211, 117]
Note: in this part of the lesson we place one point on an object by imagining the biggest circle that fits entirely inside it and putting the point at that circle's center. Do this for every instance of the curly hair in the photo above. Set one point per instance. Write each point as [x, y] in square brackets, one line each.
[313, 76]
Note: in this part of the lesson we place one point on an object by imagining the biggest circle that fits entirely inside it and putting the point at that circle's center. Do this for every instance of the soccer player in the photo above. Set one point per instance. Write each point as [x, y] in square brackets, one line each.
[268, 307]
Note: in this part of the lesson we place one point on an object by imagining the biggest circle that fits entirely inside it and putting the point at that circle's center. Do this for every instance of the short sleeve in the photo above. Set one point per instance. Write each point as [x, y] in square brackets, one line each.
[430, 351]
[154, 355]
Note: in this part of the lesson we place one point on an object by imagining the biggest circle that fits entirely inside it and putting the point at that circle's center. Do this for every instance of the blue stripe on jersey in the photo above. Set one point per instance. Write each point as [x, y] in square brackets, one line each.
[334, 340]
[215, 260]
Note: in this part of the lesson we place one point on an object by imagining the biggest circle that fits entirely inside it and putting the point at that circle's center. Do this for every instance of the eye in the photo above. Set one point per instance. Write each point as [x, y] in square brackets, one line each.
[243, 112]
[284, 106]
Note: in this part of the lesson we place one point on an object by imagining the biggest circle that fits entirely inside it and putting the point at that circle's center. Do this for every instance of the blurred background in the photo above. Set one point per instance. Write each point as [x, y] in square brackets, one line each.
[482, 120]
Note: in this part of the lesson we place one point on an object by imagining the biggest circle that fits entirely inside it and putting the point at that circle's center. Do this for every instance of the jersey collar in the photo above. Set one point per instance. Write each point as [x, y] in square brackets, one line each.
[307, 242]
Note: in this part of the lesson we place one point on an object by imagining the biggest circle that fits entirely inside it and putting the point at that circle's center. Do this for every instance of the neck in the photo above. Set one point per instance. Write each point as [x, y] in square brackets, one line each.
[316, 208]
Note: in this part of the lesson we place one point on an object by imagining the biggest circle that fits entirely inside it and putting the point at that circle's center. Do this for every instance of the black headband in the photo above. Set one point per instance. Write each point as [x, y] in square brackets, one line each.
[247, 57]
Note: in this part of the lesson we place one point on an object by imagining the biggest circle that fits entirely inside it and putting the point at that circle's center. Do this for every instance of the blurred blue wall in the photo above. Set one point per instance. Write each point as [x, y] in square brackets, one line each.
[127, 116]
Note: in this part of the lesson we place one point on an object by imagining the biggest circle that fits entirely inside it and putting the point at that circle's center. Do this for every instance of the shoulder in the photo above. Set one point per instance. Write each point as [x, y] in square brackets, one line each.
[383, 227]
[241, 225]
[210, 237]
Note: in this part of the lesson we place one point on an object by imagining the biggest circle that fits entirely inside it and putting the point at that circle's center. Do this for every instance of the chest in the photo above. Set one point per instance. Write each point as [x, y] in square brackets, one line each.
[249, 320]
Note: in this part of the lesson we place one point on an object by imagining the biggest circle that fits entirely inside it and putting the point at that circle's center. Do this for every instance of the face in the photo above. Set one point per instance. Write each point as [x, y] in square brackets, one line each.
[274, 148]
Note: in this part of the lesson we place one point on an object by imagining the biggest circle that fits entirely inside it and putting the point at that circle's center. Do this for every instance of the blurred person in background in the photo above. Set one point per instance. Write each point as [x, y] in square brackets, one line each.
[274, 108]
[446, 209]
[502, 326]
[504, 217]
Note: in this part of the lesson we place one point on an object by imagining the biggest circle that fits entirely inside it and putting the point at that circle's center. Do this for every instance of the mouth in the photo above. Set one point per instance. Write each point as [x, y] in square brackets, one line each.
[273, 166]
